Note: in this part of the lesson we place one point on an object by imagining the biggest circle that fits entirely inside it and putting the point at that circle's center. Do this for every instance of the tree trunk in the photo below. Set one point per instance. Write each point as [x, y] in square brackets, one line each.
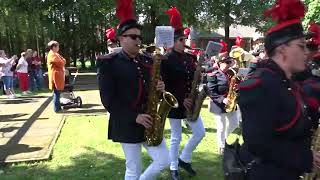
[67, 27]
[227, 23]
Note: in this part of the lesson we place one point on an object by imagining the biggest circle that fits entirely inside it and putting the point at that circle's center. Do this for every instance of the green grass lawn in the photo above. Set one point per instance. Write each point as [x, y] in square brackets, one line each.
[83, 152]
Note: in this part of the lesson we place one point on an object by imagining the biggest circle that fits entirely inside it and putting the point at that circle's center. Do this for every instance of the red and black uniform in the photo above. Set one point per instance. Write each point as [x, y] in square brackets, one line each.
[276, 125]
[123, 84]
[177, 74]
[311, 88]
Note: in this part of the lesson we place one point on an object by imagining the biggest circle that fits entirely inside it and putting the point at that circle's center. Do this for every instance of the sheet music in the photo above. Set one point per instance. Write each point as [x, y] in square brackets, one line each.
[164, 36]
[213, 48]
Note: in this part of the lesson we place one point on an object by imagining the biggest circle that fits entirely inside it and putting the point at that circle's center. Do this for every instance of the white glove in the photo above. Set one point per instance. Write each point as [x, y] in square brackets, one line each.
[225, 101]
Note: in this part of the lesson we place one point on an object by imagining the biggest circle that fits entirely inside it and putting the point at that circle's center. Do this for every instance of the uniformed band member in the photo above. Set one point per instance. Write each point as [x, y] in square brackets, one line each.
[177, 73]
[218, 85]
[311, 83]
[110, 36]
[276, 127]
[123, 83]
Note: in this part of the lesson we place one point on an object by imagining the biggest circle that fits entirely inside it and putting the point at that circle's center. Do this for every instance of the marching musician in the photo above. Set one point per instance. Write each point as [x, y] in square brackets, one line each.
[311, 79]
[123, 83]
[275, 124]
[177, 73]
[218, 85]
[110, 36]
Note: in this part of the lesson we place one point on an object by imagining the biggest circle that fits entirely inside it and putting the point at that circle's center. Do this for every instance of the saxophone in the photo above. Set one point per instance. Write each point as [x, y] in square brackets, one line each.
[315, 174]
[232, 93]
[157, 108]
[196, 97]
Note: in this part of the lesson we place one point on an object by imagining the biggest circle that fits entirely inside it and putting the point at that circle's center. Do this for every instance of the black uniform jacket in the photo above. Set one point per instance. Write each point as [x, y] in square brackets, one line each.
[276, 125]
[311, 88]
[218, 85]
[177, 74]
[123, 84]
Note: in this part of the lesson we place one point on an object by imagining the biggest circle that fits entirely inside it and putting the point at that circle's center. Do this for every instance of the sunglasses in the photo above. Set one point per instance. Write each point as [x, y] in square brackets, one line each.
[133, 36]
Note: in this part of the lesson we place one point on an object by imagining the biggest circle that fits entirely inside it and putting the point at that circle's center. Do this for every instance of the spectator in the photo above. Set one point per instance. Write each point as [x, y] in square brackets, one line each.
[31, 70]
[36, 61]
[56, 73]
[22, 70]
[6, 74]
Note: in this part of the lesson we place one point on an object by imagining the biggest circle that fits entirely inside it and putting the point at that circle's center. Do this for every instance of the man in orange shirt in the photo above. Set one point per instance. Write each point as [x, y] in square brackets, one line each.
[56, 73]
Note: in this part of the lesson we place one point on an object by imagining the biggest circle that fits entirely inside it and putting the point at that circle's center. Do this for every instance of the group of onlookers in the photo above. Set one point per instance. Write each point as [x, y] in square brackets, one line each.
[26, 69]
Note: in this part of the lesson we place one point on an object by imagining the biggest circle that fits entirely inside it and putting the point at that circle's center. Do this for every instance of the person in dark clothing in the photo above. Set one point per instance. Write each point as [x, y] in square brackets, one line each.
[218, 85]
[276, 123]
[177, 73]
[311, 77]
[123, 80]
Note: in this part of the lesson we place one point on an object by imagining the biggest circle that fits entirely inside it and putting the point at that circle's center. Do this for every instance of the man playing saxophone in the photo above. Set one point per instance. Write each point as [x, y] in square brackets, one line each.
[123, 80]
[177, 73]
[218, 85]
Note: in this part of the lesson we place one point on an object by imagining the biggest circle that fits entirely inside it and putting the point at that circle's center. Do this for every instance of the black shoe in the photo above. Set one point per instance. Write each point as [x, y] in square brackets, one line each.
[174, 175]
[187, 167]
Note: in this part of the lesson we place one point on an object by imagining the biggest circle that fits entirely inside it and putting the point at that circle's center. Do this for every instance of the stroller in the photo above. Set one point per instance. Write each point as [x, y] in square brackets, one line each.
[67, 97]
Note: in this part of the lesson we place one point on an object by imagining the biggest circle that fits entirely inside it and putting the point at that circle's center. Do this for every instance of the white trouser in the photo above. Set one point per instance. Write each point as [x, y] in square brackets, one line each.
[226, 123]
[132, 152]
[198, 133]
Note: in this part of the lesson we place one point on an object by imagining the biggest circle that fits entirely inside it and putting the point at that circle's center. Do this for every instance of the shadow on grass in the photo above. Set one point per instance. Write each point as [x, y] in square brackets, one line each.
[95, 164]
[206, 164]
[92, 164]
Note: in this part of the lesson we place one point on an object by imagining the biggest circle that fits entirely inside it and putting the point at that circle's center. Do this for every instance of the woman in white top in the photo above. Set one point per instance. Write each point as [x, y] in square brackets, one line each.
[6, 74]
[22, 70]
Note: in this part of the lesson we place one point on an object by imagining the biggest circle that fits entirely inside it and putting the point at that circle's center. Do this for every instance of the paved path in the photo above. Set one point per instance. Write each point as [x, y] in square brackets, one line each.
[29, 128]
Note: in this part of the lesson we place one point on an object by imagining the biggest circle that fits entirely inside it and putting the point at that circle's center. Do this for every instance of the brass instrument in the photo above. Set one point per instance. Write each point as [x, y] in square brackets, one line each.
[315, 146]
[232, 93]
[196, 97]
[157, 108]
[239, 55]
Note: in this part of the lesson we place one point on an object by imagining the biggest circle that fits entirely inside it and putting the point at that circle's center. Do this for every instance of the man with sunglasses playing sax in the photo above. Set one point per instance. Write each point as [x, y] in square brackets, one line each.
[123, 80]
[177, 73]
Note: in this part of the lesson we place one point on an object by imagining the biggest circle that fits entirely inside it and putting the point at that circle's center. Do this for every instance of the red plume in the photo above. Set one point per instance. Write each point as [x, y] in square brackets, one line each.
[186, 31]
[239, 41]
[125, 10]
[175, 18]
[224, 47]
[285, 10]
[110, 34]
[315, 30]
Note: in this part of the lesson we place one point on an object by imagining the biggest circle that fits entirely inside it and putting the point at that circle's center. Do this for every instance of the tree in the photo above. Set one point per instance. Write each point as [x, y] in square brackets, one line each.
[223, 13]
[77, 25]
[313, 13]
